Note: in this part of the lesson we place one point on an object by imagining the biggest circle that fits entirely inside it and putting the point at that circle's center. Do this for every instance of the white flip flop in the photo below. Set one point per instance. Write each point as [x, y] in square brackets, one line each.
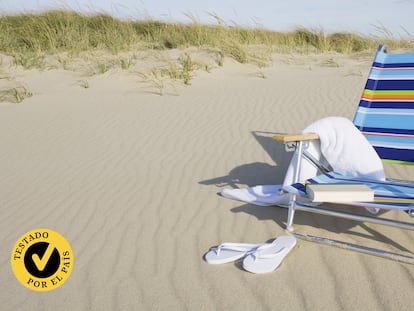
[228, 252]
[268, 257]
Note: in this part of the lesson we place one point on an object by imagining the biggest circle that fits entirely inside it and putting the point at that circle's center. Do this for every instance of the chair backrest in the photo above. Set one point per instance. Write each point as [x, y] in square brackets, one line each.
[385, 113]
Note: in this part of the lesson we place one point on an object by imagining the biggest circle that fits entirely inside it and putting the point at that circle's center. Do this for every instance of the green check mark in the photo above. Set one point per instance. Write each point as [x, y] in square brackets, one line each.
[42, 262]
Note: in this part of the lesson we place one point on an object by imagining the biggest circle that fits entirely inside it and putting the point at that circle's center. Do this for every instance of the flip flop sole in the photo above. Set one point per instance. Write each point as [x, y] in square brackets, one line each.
[228, 252]
[268, 259]
[225, 256]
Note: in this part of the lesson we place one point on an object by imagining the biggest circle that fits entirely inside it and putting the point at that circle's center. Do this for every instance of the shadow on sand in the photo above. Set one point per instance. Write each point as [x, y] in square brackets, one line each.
[257, 173]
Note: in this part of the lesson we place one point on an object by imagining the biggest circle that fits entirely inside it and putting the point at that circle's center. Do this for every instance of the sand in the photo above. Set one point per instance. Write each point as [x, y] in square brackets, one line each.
[130, 178]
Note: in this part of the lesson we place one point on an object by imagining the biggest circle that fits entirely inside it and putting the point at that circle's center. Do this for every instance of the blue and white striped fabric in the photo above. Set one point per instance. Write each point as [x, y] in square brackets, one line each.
[387, 195]
[386, 110]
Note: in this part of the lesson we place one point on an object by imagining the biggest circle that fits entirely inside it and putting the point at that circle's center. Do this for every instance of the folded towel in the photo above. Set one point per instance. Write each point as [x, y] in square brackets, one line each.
[266, 195]
[341, 145]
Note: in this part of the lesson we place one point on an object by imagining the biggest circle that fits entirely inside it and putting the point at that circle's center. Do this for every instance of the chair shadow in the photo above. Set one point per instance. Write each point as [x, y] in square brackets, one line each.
[257, 173]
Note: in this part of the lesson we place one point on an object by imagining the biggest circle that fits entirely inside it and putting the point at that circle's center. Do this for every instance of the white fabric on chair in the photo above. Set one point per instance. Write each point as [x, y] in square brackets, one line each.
[341, 145]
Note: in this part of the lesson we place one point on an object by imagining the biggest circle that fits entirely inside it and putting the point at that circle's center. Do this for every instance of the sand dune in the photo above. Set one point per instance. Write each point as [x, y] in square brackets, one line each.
[130, 178]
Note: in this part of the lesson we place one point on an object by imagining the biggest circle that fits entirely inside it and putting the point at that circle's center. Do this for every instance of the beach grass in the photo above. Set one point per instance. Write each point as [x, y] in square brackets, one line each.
[97, 43]
[27, 36]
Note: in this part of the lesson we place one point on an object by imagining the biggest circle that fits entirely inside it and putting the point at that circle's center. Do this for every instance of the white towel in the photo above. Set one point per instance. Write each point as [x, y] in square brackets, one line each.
[265, 195]
[341, 145]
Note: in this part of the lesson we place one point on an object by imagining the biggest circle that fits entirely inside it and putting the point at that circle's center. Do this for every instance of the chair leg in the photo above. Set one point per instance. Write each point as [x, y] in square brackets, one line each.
[291, 213]
[292, 203]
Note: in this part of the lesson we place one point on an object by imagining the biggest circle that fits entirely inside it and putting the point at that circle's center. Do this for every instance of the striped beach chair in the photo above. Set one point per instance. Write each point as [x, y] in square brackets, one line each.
[386, 110]
[385, 116]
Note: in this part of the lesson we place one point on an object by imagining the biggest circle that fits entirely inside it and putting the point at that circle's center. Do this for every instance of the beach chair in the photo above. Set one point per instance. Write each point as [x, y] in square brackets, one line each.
[385, 116]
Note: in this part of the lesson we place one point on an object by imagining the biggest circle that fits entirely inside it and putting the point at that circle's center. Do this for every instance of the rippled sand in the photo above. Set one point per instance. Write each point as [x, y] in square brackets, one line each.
[130, 178]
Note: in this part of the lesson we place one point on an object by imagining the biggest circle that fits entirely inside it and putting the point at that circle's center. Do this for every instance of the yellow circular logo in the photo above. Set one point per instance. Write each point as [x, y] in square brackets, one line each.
[42, 259]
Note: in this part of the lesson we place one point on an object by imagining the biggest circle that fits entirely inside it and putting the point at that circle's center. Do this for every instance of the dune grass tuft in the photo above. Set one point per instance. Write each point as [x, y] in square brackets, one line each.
[14, 94]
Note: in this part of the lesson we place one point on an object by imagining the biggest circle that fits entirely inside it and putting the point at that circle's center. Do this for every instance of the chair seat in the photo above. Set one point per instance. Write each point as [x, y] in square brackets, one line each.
[387, 194]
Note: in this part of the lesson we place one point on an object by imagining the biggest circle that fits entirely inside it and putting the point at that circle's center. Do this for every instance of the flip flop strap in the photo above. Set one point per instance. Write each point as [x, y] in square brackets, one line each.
[242, 247]
[259, 255]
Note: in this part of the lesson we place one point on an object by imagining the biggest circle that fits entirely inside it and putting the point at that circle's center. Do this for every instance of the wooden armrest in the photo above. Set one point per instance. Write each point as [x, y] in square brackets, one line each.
[285, 138]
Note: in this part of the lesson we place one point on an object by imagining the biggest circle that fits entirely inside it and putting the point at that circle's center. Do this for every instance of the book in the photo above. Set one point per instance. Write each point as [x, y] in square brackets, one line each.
[340, 193]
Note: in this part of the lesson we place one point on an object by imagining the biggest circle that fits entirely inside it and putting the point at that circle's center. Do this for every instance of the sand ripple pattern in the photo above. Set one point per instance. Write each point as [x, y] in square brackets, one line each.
[130, 179]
